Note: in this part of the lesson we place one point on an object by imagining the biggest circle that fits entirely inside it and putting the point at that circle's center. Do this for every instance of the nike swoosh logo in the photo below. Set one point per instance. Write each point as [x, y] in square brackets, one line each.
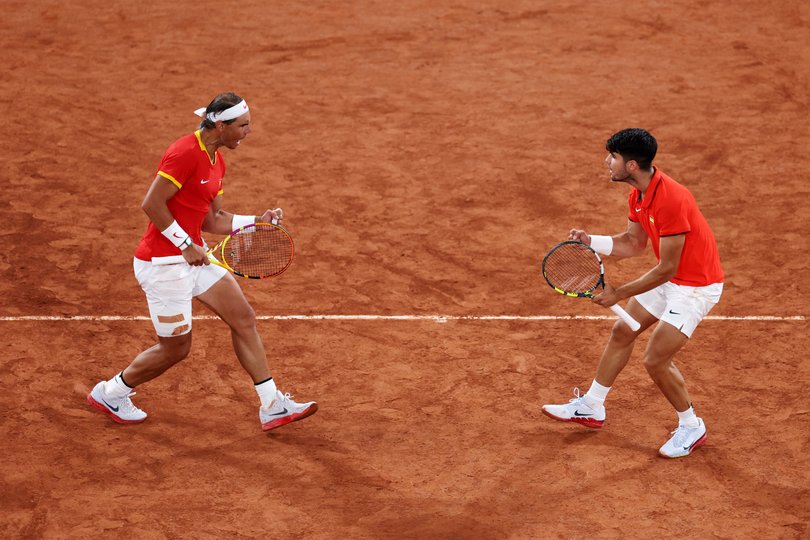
[280, 413]
[204, 181]
[673, 312]
[577, 413]
[113, 409]
[638, 209]
[176, 235]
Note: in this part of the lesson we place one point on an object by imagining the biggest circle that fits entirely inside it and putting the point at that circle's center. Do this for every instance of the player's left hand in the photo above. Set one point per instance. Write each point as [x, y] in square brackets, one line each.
[607, 298]
[269, 216]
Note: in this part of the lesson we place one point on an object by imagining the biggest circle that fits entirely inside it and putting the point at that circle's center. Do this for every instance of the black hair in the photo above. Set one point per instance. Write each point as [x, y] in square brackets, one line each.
[219, 104]
[634, 144]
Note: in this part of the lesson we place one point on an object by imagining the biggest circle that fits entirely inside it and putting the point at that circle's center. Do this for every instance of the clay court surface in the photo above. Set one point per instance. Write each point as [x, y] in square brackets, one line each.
[426, 155]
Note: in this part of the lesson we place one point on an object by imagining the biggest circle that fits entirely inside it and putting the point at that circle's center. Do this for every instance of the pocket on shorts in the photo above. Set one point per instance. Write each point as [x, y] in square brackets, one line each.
[710, 293]
[170, 272]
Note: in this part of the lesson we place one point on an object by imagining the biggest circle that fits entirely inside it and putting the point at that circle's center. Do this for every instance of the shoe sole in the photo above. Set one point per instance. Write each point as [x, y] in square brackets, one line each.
[587, 422]
[277, 423]
[96, 405]
[698, 443]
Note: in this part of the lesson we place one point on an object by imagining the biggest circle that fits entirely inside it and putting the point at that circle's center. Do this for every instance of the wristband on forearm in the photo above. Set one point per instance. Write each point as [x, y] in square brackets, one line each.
[177, 235]
[602, 244]
[242, 221]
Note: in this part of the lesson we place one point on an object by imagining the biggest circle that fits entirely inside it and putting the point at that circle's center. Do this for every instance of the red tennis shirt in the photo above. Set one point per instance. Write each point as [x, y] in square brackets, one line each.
[185, 164]
[669, 209]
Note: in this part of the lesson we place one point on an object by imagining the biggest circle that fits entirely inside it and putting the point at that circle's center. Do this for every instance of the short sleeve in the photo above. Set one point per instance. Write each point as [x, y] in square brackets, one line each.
[174, 167]
[673, 218]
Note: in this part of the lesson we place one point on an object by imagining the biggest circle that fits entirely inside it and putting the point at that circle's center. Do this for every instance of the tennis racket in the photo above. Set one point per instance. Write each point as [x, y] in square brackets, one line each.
[255, 251]
[574, 269]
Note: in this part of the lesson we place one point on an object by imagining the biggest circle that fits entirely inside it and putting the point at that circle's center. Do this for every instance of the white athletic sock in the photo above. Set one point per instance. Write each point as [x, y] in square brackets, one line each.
[267, 392]
[596, 394]
[688, 418]
[116, 388]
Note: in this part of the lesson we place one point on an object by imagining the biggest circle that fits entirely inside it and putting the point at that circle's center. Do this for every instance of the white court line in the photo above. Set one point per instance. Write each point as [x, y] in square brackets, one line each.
[435, 318]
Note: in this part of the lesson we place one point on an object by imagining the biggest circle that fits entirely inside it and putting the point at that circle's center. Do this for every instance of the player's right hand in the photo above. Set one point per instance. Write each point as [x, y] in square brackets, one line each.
[196, 256]
[579, 236]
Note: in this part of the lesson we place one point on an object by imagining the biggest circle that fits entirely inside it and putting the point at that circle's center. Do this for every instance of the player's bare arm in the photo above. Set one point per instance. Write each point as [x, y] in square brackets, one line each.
[630, 243]
[218, 221]
[670, 249]
[154, 205]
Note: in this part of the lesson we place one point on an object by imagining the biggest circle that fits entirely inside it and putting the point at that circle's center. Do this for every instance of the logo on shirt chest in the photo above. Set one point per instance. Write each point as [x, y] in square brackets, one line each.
[209, 187]
[210, 183]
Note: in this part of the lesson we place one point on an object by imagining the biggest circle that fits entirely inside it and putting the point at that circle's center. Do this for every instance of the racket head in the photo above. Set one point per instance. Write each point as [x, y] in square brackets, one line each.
[257, 251]
[573, 269]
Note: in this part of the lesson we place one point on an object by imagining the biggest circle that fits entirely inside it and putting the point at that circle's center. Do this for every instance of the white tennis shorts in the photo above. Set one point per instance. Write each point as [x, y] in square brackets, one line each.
[679, 305]
[169, 289]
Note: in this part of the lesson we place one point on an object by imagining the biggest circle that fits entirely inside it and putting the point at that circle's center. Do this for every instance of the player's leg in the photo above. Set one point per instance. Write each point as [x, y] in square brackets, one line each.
[621, 343]
[589, 409]
[686, 307]
[665, 342]
[224, 297]
[157, 359]
[168, 293]
[690, 434]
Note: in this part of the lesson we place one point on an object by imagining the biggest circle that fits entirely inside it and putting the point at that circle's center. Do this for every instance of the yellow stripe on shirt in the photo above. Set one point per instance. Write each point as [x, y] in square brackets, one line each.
[170, 178]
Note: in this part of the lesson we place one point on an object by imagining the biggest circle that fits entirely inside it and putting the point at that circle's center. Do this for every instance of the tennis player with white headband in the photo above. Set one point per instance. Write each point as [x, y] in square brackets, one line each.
[231, 113]
[184, 200]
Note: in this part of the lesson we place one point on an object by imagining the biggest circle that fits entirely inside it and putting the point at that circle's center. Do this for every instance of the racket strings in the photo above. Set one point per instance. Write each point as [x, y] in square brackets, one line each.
[263, 252]
[573, 269]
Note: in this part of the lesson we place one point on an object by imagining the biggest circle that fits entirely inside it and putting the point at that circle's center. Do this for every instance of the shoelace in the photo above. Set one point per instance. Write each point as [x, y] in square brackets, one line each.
[127, 405]
[283, 399]
[577, 396]
[680, 434]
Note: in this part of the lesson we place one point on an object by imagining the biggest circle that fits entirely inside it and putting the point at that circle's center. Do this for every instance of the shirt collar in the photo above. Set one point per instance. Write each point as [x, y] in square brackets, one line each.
[655, 181]
[198, 134]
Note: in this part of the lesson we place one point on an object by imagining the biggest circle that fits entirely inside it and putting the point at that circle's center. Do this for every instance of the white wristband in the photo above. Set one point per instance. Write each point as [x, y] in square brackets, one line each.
[242, 221]
[177, 235]
[602, 244]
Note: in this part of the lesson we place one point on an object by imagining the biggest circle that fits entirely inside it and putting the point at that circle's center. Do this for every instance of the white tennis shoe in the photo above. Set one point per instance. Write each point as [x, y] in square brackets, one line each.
[122, 410]
[684, 441]
[284, 410]
[577, 411]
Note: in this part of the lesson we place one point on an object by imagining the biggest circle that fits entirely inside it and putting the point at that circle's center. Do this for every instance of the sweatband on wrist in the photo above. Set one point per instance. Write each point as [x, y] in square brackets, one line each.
[602, 244]
[175, 234]
[242, 221]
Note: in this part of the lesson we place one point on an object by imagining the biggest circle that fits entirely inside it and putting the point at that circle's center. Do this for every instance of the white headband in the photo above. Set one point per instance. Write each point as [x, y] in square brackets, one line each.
[228, 114]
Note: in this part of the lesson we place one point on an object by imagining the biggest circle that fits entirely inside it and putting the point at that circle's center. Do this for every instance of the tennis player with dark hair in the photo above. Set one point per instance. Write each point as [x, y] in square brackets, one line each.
[677, 293]
[184, 200]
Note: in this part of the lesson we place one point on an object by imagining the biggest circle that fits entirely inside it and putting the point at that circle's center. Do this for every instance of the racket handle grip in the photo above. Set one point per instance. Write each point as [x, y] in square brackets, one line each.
[623, 315]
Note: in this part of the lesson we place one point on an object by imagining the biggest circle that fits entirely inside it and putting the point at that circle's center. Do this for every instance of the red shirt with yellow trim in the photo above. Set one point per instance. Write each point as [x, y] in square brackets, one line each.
[185, 164]
[668, 209]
